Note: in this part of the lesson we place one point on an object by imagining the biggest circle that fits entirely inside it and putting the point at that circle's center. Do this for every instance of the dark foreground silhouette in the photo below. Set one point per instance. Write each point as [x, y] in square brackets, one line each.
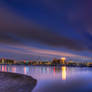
[12, 82]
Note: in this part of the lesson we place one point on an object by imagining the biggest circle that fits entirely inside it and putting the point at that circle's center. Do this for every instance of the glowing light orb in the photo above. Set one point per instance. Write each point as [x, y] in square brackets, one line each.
[63, 58]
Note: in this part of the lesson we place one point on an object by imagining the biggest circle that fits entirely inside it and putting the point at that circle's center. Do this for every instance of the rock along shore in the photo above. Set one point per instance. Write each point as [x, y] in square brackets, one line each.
[13, 82]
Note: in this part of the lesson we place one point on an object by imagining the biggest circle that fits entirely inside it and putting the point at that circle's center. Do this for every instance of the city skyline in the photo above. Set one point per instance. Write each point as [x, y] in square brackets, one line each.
[46, 29]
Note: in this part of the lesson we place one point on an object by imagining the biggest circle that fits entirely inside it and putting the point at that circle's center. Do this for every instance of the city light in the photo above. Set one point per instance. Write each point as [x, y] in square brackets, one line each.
[63, 60]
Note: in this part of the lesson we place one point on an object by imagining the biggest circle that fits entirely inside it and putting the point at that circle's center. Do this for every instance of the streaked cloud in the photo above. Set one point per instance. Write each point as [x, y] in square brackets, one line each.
[64, 24]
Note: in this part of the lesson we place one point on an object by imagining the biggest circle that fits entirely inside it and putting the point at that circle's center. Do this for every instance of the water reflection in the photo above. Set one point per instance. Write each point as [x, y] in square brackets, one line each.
[14, 69]
[56, 79]
[37, 72]
[54, 70]
[6, 68]
[43, 73]
[2, 68]
[63, 73]
[26, 69]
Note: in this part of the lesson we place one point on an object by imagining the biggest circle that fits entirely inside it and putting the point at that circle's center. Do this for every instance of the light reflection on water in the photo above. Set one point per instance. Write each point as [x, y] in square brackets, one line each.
[63, 73]
[56, 79]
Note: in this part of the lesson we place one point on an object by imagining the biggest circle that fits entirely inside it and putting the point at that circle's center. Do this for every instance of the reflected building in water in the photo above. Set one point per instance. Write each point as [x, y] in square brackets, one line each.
[62, 70]
[63, 73]
[40, 73]
[14, 69]
[26, 69]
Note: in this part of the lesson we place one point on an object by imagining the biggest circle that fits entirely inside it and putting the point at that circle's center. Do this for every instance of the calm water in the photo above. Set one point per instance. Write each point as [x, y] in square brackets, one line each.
[56, 79]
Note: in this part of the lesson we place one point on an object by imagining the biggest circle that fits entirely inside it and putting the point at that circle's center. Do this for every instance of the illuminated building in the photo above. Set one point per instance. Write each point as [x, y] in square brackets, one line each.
[63, 60]
[6, 61]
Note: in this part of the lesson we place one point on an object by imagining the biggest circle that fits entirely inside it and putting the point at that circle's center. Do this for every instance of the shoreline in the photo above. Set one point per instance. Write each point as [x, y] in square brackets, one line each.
[46, 65]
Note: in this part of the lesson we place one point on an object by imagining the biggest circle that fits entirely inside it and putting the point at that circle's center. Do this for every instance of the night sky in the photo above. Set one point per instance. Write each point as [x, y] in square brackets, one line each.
[33, 29]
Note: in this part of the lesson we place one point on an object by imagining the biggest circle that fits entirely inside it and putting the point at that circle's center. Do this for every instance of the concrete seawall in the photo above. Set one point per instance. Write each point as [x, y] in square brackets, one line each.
[13, 82]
